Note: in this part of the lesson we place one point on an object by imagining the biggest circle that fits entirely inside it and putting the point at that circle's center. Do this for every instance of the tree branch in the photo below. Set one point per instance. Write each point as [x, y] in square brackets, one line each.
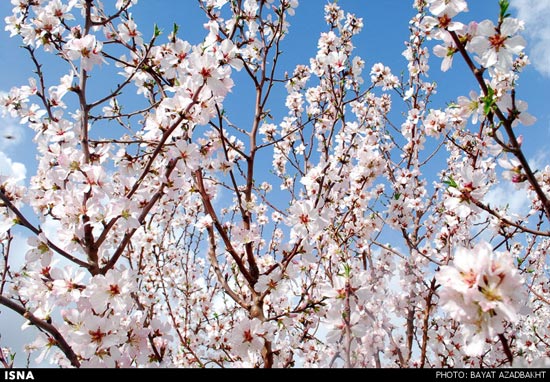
[49, 328]
[515, 147]
[22, 220]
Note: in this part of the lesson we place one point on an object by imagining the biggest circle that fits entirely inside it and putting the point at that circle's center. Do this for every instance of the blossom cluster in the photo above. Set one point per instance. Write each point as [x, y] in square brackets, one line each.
[482, 290]
[335, 229]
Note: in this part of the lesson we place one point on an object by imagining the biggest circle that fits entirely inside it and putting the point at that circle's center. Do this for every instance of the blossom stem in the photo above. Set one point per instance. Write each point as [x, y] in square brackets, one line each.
[218, 272]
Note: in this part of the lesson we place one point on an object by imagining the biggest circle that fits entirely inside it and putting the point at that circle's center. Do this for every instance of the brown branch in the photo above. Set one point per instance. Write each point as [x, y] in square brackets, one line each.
[539, 296]
[89, 240]
[209, 209]
[425, 324]
[267, 355]
[410, 332]
[144, 212]
[506, 221]
[105, 20]
[147, 321]
[22, 220]
[6, 250]
[42, 93]
[514, 147]
[348, 338]
[506, 348]
[49, 328]
[216, 266]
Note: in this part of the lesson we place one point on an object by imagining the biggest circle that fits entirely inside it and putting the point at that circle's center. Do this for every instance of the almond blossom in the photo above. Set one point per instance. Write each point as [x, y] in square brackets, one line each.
[227, 203]
[481, 290]
[513, 171]
[87, 49]
[497, 47]
[446, 51]
[447, 7]
[517, 109]
[468, 188]
[110, 291]
[305, 220]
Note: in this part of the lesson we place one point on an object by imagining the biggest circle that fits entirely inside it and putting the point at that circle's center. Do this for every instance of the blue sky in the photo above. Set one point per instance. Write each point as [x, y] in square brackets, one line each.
[386, 28]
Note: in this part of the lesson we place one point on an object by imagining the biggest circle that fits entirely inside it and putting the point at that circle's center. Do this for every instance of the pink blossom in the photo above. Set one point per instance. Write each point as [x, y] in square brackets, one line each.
[471, 106]
[249, 335]
[436, 123]
[87, 49]
[112, 290]
[481, 290]
[305, 220]
[514, 171]
[215, 77]
[470, 186]
[128, 32]
[516, 108]
[497, 47]
[446, 51]
[447, 7]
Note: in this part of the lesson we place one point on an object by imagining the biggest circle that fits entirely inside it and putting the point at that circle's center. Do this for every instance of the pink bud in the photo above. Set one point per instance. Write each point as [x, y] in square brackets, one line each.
[520, 140]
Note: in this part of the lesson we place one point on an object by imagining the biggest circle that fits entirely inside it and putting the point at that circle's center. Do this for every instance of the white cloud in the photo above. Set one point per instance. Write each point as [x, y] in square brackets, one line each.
[507, 194]
[539, 160]
[536, 14]
[15, 170]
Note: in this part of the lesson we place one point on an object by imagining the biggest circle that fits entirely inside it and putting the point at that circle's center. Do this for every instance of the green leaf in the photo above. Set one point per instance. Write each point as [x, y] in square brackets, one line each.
[175, 29]
[157, 32]
[451, 182]
[504, 5]
[347, 271]
[519, 260]
[489, 101]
